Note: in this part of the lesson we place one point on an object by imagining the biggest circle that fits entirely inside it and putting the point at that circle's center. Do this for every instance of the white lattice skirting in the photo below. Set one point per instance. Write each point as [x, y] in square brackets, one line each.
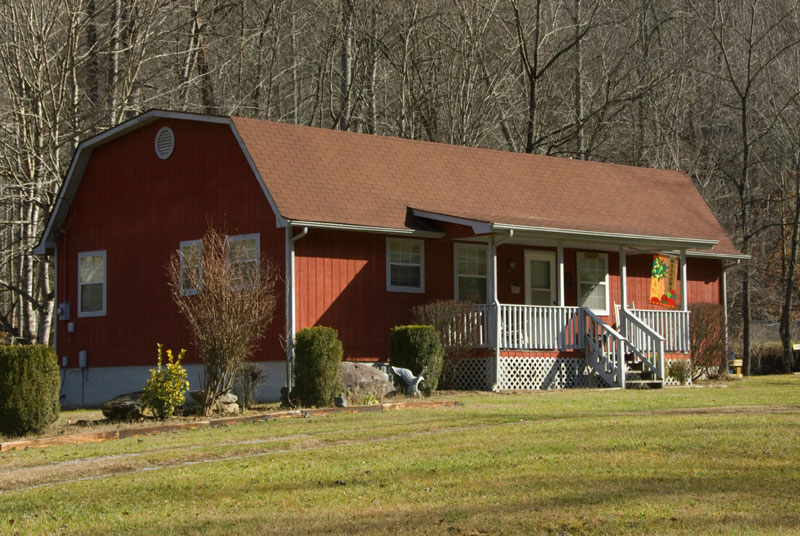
[526, 373]
[474, 374]
[531, 373]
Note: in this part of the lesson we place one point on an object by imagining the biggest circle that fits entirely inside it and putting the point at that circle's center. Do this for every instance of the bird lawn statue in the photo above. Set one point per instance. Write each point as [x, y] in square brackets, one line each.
[411, 380]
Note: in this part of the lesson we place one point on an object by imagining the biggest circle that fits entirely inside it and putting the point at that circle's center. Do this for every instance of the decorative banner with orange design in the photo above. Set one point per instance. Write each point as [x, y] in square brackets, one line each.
[663, 279]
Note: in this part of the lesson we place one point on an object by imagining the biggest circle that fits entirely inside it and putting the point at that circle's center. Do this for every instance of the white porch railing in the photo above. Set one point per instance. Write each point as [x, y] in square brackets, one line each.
[535, 327]
[672, 325]
[605, 350]
[643, 341]
[476, 323]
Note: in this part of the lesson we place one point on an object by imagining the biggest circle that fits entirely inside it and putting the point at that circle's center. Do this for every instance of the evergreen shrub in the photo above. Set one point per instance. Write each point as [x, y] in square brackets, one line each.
[317, 368]
[29, 389]
[418, 348]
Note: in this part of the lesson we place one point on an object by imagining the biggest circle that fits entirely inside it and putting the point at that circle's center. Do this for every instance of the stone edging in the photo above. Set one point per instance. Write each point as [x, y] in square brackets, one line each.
[97, 437]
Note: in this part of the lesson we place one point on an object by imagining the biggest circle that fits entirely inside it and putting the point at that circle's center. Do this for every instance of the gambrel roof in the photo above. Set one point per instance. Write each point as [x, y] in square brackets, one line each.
[375, 182]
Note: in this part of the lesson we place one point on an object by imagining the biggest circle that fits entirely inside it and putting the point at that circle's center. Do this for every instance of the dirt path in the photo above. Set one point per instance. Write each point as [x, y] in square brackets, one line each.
[54, 473]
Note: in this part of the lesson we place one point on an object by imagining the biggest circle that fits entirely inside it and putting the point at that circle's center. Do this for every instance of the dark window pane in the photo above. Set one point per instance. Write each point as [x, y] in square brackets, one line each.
[472, 289]
[405, 276]
[92, 298]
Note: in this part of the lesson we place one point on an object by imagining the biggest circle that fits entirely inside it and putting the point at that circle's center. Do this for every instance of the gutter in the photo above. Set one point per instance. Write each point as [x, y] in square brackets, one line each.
[616, 239]
[365, 228]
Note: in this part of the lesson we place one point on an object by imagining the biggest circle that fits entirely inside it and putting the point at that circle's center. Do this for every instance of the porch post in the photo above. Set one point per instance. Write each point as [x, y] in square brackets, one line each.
[684, 286]
[724, 306]
[495, 307]
[560, 255]
[623, 277]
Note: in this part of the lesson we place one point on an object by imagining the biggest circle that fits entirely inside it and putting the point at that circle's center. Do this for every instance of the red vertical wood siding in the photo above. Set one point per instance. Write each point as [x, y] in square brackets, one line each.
[341, 283]
[139, 208]
[704, 283]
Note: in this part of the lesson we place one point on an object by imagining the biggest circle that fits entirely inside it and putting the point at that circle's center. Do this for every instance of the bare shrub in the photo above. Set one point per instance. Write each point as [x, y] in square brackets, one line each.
[707, 339]
[766, 358]
[228, 313]
[247, 381]
[458, 326]
[681, 370]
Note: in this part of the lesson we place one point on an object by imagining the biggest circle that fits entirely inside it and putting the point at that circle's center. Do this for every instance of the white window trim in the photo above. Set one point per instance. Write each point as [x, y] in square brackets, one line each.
[102, 312]
[458, 246]
[236, 238]
[580, 256]
[191, 291]
[397, 288]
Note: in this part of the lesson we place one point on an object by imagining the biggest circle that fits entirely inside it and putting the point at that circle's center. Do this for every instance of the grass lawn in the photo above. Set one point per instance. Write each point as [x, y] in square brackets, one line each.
[723, 459]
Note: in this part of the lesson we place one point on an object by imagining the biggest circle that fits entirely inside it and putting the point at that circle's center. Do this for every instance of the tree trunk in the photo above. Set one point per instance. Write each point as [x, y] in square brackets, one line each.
[372, 104]
[347, 64]
[786, 309]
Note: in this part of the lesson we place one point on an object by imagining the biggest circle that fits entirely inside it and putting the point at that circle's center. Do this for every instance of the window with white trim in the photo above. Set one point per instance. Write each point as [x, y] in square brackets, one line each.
[191, 254]
[405, 265]
[593, 281]
[471, 273]
[243, 254]
[92, 283]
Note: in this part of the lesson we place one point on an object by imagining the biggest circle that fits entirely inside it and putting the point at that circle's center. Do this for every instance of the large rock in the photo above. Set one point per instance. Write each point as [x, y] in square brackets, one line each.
[359, 379]
[224, 405]
[226, 409]
[127, 407]
[228, 398]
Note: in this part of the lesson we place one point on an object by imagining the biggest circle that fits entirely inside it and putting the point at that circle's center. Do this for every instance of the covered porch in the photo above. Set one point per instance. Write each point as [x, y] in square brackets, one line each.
[573, 301]
[633, 353]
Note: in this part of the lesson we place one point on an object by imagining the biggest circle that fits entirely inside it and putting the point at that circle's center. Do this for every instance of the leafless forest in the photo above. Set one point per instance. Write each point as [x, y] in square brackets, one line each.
[710, 87]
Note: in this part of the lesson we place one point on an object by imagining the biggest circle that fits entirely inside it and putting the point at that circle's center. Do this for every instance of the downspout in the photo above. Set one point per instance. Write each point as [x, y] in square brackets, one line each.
[493, 245]
[291, 238]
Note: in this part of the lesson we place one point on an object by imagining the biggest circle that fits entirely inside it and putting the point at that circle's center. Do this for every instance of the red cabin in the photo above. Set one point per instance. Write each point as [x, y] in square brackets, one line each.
[555, 254]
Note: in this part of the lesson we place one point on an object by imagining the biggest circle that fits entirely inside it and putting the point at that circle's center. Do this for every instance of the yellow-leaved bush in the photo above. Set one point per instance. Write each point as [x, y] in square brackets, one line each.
[167, 386]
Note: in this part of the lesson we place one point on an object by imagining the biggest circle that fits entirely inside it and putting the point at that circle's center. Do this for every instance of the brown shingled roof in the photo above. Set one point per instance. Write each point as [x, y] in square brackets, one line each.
[322, 175]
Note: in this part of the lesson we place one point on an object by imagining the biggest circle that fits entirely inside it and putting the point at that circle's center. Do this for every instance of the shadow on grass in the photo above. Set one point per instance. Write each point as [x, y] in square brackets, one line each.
[575, 506]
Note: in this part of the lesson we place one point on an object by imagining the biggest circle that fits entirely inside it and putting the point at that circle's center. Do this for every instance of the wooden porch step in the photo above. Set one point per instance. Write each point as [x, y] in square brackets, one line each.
[634, 366]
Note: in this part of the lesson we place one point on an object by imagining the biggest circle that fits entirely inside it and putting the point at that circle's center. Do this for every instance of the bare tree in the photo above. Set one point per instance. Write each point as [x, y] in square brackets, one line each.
[743, 36]
[228, 303]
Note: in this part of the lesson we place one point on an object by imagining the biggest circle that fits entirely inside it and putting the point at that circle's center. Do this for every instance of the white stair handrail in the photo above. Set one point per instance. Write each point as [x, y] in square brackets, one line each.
[644, 341]
[605, 355]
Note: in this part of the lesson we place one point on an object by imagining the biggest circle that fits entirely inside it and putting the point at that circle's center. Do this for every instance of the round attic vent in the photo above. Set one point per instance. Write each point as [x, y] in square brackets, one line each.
[165, 142]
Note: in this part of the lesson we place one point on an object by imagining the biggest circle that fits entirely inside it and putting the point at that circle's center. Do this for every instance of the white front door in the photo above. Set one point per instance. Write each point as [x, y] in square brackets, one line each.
[540, 277]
